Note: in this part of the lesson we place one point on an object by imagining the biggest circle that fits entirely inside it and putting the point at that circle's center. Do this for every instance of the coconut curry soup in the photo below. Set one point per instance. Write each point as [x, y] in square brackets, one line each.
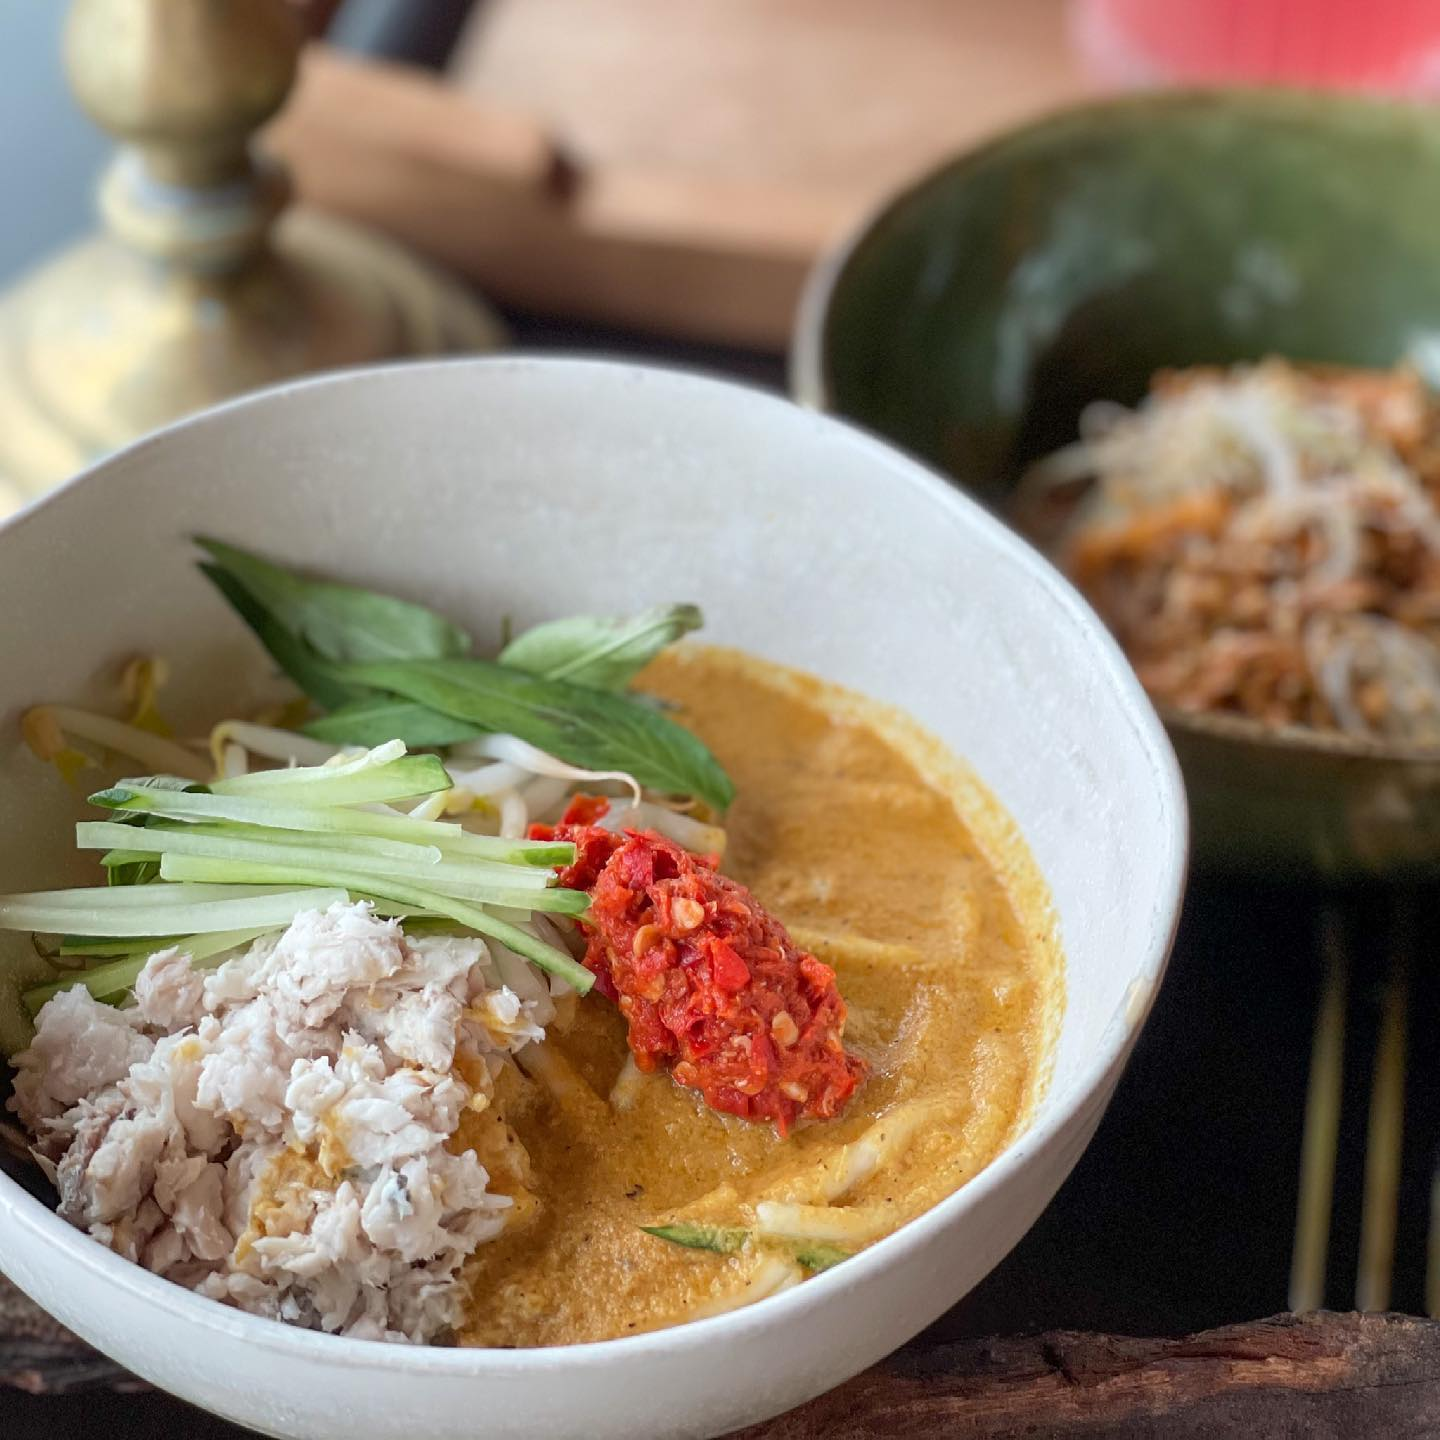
[549, 997]
[642, 1205]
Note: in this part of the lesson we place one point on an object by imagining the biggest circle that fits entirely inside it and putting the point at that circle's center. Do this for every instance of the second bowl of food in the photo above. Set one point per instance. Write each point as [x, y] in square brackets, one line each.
[1265, 539]
[510, 1008]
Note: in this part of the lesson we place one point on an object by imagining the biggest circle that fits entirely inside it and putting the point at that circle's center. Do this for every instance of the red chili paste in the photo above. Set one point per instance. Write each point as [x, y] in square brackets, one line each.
[708, 981]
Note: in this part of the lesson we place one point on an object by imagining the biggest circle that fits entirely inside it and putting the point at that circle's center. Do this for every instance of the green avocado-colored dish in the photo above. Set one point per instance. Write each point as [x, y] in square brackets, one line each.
[976, 315]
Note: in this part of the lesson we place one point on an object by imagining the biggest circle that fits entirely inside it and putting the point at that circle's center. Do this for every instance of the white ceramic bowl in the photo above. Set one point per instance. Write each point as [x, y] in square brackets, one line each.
[540, 487]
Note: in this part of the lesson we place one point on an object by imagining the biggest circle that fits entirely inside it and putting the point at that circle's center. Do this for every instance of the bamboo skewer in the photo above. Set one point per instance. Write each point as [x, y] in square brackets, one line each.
[1384, 1137]
[1432, 1248]
[1322, 1121]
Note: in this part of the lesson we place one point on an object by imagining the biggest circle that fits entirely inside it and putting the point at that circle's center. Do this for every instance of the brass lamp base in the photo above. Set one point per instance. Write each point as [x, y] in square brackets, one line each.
[203, 284]
[104, 344]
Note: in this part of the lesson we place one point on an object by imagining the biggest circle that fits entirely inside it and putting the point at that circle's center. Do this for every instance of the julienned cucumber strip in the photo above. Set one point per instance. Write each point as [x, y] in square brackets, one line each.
[556, 962]
[385, 854]
[161, 909]
[205, 952]
[468, 913]
[411, 776]
[408, 778]
[464, 875]
[115, 945]
[461, 879]
[379, 881]
[146, 897]
[252, 839]
[340, 765]
[129, 797]
[384, 773]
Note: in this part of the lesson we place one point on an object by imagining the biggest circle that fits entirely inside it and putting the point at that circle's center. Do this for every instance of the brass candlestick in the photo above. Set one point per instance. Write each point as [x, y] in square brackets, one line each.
[204, 284]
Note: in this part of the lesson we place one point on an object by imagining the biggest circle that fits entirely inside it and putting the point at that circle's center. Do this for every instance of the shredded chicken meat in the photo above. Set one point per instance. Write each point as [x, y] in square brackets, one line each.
[275, 1133]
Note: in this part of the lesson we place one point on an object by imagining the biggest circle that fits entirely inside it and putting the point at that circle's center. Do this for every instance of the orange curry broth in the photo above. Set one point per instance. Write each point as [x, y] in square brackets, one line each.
[889, 861]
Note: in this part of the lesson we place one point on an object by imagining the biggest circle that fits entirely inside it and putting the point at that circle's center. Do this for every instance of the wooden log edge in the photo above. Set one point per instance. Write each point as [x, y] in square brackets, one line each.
[1321, 1375]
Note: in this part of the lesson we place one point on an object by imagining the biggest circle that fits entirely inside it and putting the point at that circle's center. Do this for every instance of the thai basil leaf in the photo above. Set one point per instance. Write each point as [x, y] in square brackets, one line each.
[597, 650]
[340, 622]
[292, 655]
[818, 1255]
[592, 728]
[379, 718]
[814, 1255]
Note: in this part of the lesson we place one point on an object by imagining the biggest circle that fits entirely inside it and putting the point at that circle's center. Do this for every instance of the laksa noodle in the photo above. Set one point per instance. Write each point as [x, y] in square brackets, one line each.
[605, 985]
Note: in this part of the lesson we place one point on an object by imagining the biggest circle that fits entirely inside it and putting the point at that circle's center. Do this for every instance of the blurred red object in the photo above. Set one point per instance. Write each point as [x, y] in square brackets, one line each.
[1382, 45]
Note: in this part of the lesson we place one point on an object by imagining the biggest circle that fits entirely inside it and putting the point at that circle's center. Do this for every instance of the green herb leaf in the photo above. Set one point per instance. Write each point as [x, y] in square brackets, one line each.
[721, 1239]
[340, 622]
[362, 879]
[591, 728]
[379, 718]
[339, 644]
[818, 1255]
[814, 1255]
[292, 655]
[599, 651]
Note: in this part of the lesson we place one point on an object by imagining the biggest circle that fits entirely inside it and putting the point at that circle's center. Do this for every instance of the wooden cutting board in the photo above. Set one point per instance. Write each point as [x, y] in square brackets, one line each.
[674, 168]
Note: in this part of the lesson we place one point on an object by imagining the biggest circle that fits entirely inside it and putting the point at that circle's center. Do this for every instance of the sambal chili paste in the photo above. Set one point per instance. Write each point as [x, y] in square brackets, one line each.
[708, 981]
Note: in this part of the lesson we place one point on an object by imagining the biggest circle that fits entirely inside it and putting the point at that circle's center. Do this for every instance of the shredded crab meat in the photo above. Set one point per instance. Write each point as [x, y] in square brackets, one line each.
[1265, 541]
[276, 1134]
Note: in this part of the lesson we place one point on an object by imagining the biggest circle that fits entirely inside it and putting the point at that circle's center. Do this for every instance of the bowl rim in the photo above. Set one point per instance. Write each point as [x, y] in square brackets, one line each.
[810, 381]
[37, 1224]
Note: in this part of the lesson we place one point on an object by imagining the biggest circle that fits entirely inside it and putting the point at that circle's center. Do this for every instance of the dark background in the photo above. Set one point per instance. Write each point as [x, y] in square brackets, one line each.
[1180, 1215]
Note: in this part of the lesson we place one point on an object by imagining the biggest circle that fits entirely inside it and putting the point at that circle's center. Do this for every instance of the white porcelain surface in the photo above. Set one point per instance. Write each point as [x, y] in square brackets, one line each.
[538, 487]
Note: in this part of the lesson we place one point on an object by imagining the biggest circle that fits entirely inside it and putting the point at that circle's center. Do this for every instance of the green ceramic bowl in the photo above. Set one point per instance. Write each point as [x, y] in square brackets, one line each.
[974, 317]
